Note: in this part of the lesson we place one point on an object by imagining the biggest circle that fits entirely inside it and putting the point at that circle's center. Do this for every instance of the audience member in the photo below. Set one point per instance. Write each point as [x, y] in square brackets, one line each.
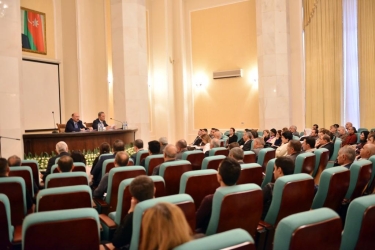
[346, 156]
[74, 124]
[293, 129]
[283, 166]
[237, 154]
[272, 138]
[170, 153]
[228, 173]
[247, 138]
[348, 125]
[315, 126]
[141, 189]
[104, 148]
[163, 143]
[121, 159]
[285, 138]
[153, 149]
[15, 161]
[326, 143]
[266, 135]
[181, 148]
[351, 138]
[197, 141]
[232, 136]
[233, 145]
[367, 151]
[362, 141]
[164, 227]
[65, 164]
[138, 146]
[212, 133]
[206, 141]
[218, 135]
[342, 133]
[293, 149]
[61, 150]
[100, 122]
[254, 133]
[308, 144]
[96, 170]
[77, 156]
[258, 144]
[278, 141]
[371, 139]
[333, 130]
[241, 141]
[215, 143]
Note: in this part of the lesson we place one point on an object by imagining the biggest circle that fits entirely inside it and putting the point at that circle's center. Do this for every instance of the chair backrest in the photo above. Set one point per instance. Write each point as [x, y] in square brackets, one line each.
[264, 156]
[26, 174]
[152, 161]
[336, 147]
[88, 124]
[172, 172]
[14, 188]
[251, 173]
[78, 167]
[371, 183]
[115, 177]
[360, 130]
[61, 127]
[130, 162]
[195, 157]
[291, 194]
[309, 230]
[232, 239]
[198, 184]
[212, 162]
[60, 198]
[34, 168]
[219, 151]
[359, 225]
[106, 154]
[65, 229]
[321, 160]
[66, 179]
[334, 183]
[305, 163]
[360, 174]
[239, 134]
[238, 206]
[183, 201]
[249, 157]
[6, 228]
[107, 166]
[268, 176]
[124, 197]
[141, 154]
[295, 138]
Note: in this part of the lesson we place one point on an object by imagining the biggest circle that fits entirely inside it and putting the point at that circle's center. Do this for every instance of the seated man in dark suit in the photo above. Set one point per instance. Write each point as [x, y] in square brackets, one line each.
[138, 146]
[214, 143]
[74, 124]
[326, 143]
[61, 150]
[96, 170]
[170, 152]
[100, 122]
[346, 156]
[15, 161]
[247, 141]
[228, 173]
[293, 149]
[153, 149]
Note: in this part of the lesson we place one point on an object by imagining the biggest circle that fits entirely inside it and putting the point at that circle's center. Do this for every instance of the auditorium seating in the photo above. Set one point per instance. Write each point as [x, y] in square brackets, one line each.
[172, 172]
[107, 166]
[26, 174]
[116, 175]
[60, 198]
[371, 184]
[269, 173]
[238, 206]
[359, 226]
[34, 168]
[321, 160]
[183, 201]
[249, 157]
[251, 173]
[305, 163]
[334, 183]
[232, 239]
[315, 229]
[198, 184]
[78, 167]
[10, 236]
[195, 157]
[61, 127]
[336, 147]
[360, 174]
[106, 154]
[212, 162]
[218, 151]
[152, 161]
[66, 179]
[141, 154]
[65, 229]
[264, 156]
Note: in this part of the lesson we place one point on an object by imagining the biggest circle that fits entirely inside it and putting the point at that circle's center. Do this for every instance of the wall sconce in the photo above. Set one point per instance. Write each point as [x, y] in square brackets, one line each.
[200, 80]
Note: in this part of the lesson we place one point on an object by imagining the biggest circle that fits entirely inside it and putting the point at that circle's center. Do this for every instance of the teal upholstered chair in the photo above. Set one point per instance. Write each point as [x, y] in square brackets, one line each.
[107, 166]
[334, 183]
[219, 151]
[9, 235]
[295, 138]
[26, 174]
[232, 239]
[359, 225]
[315, 229]
[321, 160]
[269, 173]
[239, 134]
[15, 189]
[34, 168]
[183, 201]
[172, 172]
[65, 229]
[66, 179]
[195, 157]
[336, 147]
[371, 183]
[236, 206]
[56, 160]
[152, 161]
[140, 155]
[249, 157]
[260, 133]
[115, 176]
[360, 174]
[264, 156]
[360, 130]
[305, 163]
[212, 162]
[198, 184]
[251, 173]
[60, 198]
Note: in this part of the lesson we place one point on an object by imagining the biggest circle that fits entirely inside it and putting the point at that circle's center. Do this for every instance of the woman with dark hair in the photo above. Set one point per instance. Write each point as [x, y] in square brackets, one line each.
[77, 156]
[278, 141]
[266, 135]
[362, 141]
[104, 148]
[232, 136]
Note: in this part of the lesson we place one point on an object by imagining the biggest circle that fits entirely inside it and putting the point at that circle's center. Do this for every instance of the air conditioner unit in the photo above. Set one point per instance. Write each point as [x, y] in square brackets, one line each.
[227, 74]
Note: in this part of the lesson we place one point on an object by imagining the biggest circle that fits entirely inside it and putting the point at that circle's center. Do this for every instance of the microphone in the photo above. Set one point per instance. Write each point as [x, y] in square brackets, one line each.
[53, 115]
[117, 120]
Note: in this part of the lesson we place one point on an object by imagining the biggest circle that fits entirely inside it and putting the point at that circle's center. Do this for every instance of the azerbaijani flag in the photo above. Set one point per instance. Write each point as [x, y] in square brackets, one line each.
[33, 29]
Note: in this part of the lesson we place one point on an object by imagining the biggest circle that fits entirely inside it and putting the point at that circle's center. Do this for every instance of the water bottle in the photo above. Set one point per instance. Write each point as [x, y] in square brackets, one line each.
[100, 127]
[124, 125]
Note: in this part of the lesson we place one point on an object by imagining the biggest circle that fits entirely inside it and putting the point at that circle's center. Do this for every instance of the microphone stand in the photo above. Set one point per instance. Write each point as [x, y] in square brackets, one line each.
[10, 138]
[54, 122]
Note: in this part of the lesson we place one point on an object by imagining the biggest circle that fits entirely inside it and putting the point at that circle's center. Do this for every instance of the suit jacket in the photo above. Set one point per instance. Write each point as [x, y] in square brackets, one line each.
[179, 155]
[329, 146]
[96, 122]
[70, 126]
[51, 162]
[197, 141]
[96, 170]
[247, 145]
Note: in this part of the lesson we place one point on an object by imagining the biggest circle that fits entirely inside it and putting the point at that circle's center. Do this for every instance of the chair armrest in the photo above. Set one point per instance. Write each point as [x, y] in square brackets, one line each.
[265, 225]
[17, 235]
[107, 246]
[107, 221]
[100, 202]
[93, 204]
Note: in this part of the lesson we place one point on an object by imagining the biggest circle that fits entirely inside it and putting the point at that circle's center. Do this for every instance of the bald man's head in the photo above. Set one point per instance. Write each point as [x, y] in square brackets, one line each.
[170, 152]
